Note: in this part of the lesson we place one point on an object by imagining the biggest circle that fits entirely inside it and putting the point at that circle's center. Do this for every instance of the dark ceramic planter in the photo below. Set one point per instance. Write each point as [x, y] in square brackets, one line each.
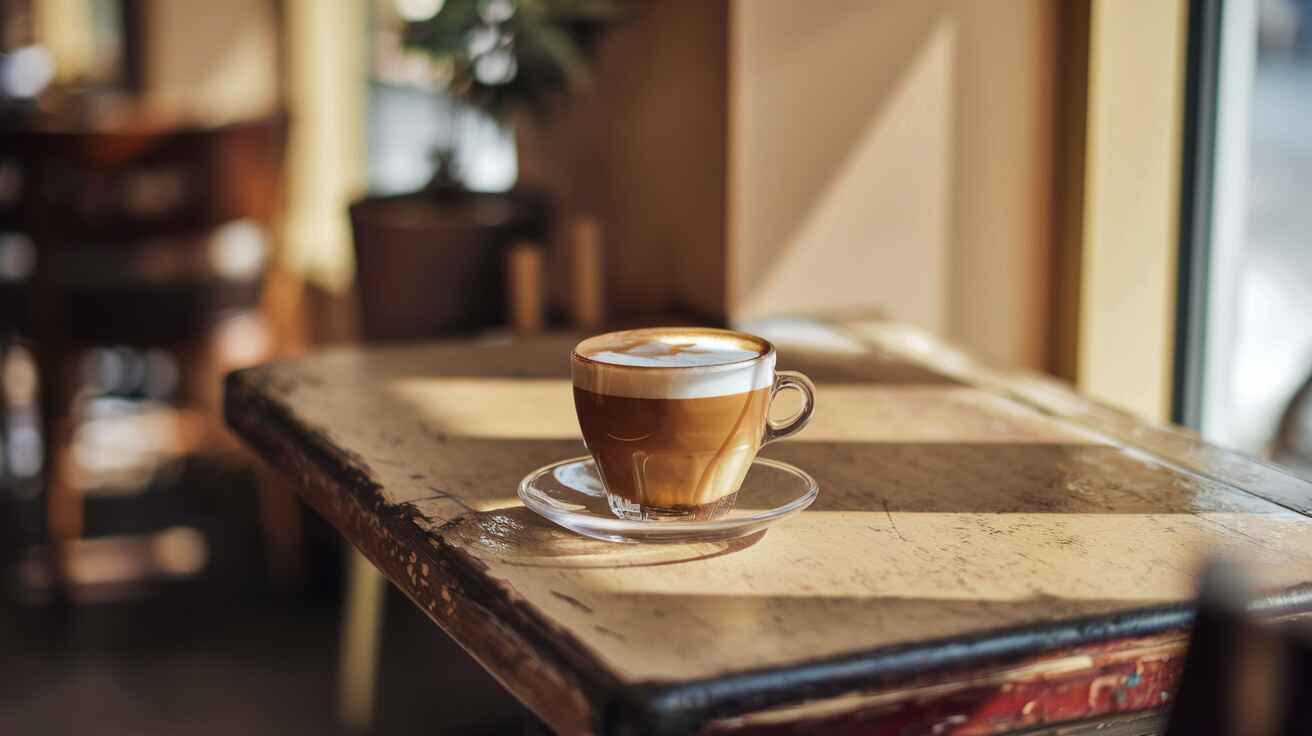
[429, 263]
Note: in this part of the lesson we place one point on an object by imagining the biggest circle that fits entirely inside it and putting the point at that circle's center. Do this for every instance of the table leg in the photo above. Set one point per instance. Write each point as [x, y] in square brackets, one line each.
[361, 641]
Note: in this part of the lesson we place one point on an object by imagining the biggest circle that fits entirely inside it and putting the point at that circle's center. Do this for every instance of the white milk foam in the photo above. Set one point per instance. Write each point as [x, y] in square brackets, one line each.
[694, 363]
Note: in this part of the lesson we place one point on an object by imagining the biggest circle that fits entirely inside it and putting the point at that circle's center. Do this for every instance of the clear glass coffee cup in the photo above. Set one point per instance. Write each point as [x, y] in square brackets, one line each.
[674, 417]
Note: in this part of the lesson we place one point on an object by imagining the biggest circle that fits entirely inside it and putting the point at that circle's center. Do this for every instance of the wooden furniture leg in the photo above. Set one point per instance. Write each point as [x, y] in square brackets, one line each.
[6, 456]
[366, 590]
[280, 522]
[64, 520]
[12, 513]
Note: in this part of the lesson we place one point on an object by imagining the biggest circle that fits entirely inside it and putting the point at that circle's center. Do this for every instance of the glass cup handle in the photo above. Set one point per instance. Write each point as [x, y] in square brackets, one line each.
[783, 381]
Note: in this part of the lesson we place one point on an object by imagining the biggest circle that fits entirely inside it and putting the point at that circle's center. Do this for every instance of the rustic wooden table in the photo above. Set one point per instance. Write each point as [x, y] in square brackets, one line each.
[989, 552]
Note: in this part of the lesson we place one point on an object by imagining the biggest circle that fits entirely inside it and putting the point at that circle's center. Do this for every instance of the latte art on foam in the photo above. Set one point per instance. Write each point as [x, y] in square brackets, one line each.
[676, 353]
[673, 363]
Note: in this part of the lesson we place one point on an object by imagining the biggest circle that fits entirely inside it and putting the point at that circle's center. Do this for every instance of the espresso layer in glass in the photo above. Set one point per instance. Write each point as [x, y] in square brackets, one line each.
[676, 454]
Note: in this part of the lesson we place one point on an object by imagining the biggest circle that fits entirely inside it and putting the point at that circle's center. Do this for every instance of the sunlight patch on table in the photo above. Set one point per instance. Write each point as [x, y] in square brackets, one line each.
[519, 408]
[1148, 558]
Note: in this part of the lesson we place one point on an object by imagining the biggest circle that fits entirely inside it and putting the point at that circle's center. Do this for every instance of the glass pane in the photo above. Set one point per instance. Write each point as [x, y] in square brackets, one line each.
[1260, 308]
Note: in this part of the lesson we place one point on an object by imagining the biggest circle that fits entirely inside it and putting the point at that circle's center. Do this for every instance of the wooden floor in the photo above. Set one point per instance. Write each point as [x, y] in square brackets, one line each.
[224, 652]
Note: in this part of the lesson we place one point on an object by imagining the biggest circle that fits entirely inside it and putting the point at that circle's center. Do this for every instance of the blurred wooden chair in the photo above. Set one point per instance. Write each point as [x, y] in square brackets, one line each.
[16, 514]
[1243, 675]
[146, 237]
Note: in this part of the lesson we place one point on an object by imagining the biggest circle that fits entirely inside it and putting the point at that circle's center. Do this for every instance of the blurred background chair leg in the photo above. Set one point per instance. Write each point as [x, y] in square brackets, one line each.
[5, 460]
[366, 591]
[63, 503]
[9, 523]
[280, 523]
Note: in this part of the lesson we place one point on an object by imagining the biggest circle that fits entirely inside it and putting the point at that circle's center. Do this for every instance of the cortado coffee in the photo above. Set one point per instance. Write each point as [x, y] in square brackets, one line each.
[674, 417]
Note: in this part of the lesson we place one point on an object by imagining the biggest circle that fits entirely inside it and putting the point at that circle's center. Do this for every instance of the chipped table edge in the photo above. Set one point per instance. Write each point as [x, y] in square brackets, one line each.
[441, 580]
[1097, 681]
[557, 677]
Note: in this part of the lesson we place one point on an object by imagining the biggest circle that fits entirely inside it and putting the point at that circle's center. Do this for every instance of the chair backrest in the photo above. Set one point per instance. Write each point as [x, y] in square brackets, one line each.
[141, 236]
[122, 186]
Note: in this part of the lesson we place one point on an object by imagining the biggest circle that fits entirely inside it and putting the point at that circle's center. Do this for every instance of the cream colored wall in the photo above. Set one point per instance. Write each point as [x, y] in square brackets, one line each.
[644, 153]
[65, 28]
[1127, 293]
[217, 62]
[894, 156]
[210, 61]
[326, 143]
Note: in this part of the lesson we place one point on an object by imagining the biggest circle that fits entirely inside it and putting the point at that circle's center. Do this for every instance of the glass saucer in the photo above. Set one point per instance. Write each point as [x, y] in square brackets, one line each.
[569, 493]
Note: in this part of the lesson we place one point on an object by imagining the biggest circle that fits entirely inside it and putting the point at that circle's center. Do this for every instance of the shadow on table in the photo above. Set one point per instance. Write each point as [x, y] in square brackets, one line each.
[1002, 478]
[518, 536]
[880, 479]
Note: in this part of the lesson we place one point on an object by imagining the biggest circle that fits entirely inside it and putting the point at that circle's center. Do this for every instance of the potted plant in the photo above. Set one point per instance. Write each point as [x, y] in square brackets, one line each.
[429, 262]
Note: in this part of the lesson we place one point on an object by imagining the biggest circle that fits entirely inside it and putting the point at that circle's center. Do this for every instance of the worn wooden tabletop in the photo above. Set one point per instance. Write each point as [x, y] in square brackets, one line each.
[989, 550]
